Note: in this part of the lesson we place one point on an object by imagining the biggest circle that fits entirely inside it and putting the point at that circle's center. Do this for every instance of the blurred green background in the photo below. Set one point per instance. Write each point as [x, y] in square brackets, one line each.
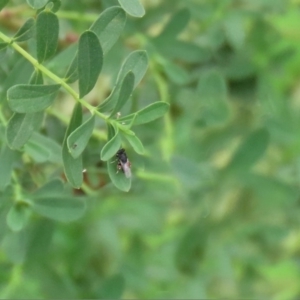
[214, 208]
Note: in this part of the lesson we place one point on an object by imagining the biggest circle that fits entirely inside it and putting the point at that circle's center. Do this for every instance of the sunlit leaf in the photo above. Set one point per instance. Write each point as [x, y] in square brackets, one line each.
[133, 7]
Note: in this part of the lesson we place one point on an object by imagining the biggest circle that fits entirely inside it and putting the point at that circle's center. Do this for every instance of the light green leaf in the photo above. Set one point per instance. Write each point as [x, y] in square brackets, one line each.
[117, 177]
[125, 92]
[37, 4]
[20, 128]
[30, 98]
[51, 188]
[79, 138]
[7, 159]
[73, 166]
[250, 151]
[90, 60]
[47, 28]
[3, 3]
[111, 147]
[137, 63]
[17, 216]
[149, 113]
[109, 26]
[42, 148]
[135, 142]
[26, 31]
[133, 7]
[60, 208]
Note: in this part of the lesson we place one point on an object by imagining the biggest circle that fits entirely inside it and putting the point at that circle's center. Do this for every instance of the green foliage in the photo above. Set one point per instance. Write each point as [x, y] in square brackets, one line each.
[204, 98]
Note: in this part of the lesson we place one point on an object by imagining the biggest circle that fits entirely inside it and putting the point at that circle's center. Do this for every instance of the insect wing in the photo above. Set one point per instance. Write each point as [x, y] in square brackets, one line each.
[126, 168]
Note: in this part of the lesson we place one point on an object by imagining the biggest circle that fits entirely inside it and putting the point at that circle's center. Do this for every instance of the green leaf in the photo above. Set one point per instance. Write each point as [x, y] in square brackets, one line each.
[20, 128]
[3, 47]
[135, 142]
[250, 151]
[42, 148]
[46, 35]
[125, 92]
[90, 60]
[7, 159]
[133, 7]
[117, 177]
[109, 26]
[51, 188]
[79, 138]
[36, 77]
[25, 32]
[137, 63]
[112, 288]
[37, 4]
[149, 113]
[17, 216]
[72, 72]
[60, 208]
[111, 147]
[73, 166]
[30, 98]
[176, 24]
[3, 3]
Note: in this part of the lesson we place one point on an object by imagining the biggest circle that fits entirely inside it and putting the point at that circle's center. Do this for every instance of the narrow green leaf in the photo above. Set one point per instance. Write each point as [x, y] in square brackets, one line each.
[20, 128]
[3, 3]
[111, 147]
[47, 28]
[135, 142]
[72, 72]
[30, 98]
[7, 158]
[17, 216]
[42, 148]
[79, 138]
[250, 151]
[37, 4]
[176, 24]
[90, 60]
[73, 166]
[133, 7]
[109, 26]
[137, 63]
[119, 180]
[26, 31]
[60, 208]
[125, 92]
[36, 77]
[149, 113]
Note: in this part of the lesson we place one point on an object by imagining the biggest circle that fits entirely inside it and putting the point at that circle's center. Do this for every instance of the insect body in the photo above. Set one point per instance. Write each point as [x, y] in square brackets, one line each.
[123, 162]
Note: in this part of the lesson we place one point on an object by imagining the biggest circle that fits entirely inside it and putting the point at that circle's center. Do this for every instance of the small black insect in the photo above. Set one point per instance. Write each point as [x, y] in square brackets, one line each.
[123, 162]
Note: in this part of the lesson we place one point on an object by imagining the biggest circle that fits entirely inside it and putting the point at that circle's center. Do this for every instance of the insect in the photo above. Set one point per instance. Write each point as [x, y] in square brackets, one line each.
[123, 162]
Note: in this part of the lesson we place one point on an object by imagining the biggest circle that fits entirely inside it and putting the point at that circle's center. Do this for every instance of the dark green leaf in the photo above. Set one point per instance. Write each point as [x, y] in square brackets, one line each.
[73, 166]
[111, 147]
[7, 158]
[176, 24]
[60, 208]
[90, 60]
[109, 26]
[72, 72]
[125, 92]
[26, 31]
[79, 138]
[3, 3]
[136, 144]
[133, 7]
[117, 177]
[27, 98]
[20, 128]
[42, 148]
[17, 216]
[46, 35]
[250, 151]
[137, 63]
[147, 114]
[37, 4]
